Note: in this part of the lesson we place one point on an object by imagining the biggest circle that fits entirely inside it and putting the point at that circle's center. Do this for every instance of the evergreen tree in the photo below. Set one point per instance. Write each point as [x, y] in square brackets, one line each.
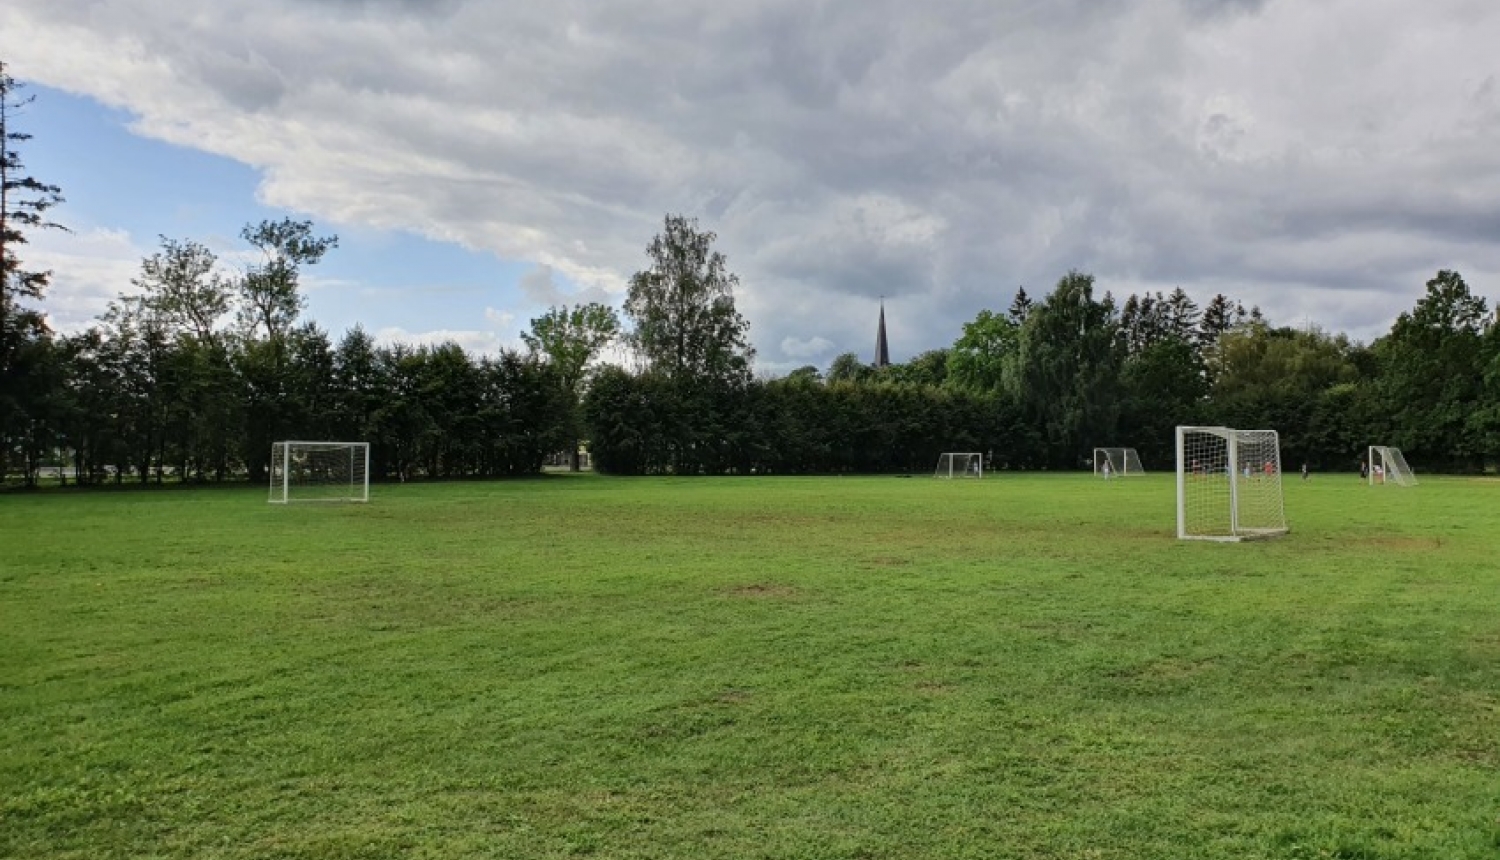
[28, 361]
[1020, 307]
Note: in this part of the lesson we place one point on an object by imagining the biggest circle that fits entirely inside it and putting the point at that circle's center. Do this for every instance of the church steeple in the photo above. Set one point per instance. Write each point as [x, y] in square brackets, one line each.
[882, 350]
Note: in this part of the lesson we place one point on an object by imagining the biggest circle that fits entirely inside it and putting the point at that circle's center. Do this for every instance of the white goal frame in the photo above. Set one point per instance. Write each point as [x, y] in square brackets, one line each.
[1234, 480]
[1121, 463]
[959, 465]
[1393, 468]
[320, 472]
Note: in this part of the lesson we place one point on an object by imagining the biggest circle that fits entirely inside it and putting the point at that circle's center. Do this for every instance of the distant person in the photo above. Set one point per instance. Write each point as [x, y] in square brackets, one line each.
[1270, 468]
[1107, 471]
[1364, 470]
[1304, 471]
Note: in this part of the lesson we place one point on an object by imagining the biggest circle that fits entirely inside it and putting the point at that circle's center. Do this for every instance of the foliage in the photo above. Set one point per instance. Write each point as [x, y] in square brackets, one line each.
[682, 308]
[571, 338]
[1068, 364]
[1432, 373]
[29, 371]
[980, 359]
[926, 369]
[847, 367]
[165, 388]
[270, 300]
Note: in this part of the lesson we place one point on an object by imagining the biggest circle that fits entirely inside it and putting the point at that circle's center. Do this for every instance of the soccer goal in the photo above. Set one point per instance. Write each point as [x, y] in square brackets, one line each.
[1117, 463]
[1228, 484]
[320, 472]
[1388, 466]
[960, 466]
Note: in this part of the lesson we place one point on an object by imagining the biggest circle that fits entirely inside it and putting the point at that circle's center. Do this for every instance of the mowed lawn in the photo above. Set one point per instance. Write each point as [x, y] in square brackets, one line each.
[1025, 666]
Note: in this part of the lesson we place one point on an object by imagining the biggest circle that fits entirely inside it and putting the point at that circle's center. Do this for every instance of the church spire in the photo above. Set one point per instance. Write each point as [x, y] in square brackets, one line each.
[882, 350]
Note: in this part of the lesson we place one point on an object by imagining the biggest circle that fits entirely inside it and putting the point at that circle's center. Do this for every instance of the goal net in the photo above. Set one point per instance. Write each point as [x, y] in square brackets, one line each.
[960, 466]
[1117, 463]
[320, 472]
[1388, 466]
[1228, 484]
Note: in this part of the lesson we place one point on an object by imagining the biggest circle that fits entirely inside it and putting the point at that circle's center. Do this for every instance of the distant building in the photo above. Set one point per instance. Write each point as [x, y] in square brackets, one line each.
[882, 349]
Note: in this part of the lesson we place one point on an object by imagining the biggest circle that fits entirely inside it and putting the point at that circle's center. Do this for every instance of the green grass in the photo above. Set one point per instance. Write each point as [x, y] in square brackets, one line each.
[1023, 667]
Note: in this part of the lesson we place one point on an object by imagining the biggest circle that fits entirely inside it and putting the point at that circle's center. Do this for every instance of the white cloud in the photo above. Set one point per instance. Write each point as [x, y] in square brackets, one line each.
[813, 347]
[90, 268]
[475, 342]
[1315, 158]
[500, 319]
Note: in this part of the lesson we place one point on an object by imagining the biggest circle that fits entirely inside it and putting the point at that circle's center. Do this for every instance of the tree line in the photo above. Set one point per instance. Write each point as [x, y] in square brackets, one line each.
[1041, 384]
[197, 369]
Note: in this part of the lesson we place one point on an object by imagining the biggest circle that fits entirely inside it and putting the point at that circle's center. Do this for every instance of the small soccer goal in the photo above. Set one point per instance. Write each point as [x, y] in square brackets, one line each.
[960, 466]
[1117, 463]
[320, 472]
[1228, 484]
[1386, 465]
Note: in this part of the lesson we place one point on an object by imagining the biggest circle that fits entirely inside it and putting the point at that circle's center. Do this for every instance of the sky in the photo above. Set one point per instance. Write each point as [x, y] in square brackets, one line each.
[483, 161]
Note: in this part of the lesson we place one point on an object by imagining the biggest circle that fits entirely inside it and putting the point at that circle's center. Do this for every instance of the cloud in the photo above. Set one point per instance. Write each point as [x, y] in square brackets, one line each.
[90, 268]
[539, 288]
[812, 347]
[475, 342]
[500, 319]
[1313, 158]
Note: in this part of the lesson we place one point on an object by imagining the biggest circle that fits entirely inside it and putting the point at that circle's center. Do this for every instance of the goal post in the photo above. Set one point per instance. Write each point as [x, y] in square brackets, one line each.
[1387, 465]
[1228, 484]
[1117, 463]
[320, 472]
[960, 466]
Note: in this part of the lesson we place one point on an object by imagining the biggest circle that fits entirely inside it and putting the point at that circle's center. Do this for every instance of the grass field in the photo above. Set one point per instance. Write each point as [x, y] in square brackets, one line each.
[1024, 667]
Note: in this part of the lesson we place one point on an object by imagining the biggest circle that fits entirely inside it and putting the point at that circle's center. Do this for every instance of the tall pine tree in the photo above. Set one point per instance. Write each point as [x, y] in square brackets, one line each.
[25, 344]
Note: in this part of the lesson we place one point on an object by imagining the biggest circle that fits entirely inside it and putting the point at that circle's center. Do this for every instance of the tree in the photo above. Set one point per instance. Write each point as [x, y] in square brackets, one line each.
[269, 306]
[1163, 386]
[1432, 373]
[1484, 422]
[807, 374]
[1068, 365]
[1182, 315]
[979, 358]
[183, 286]
[929, 369]
[1277, 378]
[682, 307]
[24, 201]
[570, 339]
[1217, 319]
[271, 302]
[847, 367]
[1144, 322]
[1020, 307]
[25, 350]
[359, 389]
